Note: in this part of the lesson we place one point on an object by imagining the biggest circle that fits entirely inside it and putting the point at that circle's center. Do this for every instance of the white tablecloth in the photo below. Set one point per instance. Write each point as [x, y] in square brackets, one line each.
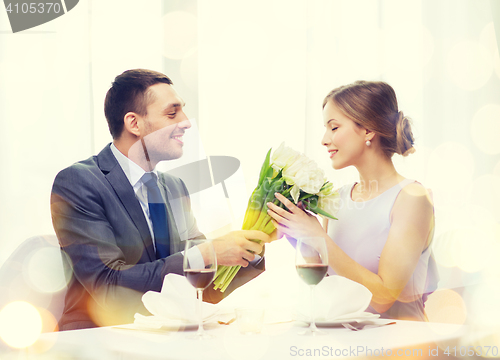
[277, 341]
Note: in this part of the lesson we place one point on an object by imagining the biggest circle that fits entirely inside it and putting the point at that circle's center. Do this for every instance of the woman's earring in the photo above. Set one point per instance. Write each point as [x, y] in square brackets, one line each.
[368, 142]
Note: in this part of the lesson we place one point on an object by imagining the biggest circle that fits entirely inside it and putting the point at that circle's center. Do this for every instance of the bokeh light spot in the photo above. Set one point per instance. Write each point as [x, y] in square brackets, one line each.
[471, 248]
[20, 324]
[489, 41]
[118, 307]
[450, 168]
[417, 191]
[45, 270]
[496, 63]
[189, 71]
[496, 169]
[486, 193]
[485, 127]
[467, 245]
[441, 249]
[49, 322]
[446, 306]
[469, 65]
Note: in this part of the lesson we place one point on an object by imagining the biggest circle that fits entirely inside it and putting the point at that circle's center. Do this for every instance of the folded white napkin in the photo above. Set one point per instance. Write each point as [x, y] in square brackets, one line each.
[175, 303]
[335, 297]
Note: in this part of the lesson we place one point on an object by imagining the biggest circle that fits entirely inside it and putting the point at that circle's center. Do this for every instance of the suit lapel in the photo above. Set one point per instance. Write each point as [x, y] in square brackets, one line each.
[118, 180]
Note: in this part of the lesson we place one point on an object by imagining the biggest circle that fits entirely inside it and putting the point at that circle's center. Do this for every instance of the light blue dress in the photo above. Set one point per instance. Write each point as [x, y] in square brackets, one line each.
[361, 231]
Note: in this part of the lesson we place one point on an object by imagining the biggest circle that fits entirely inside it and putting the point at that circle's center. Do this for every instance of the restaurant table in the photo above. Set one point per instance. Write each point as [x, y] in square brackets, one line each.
[276, 341]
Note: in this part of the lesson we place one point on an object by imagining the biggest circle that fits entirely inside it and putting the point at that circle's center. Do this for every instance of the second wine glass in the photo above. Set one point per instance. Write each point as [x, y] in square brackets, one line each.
[200, 266]
[311, 262]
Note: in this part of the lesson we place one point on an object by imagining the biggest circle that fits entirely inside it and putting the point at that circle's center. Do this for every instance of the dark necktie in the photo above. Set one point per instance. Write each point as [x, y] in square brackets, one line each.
[158, 214]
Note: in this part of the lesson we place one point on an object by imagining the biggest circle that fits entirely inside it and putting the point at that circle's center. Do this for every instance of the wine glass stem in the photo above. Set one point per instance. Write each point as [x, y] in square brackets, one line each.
[312, 327]
[199, 311]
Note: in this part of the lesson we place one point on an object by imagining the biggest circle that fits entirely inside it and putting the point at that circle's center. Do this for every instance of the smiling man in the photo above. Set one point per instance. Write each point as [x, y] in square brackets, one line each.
[121, 223]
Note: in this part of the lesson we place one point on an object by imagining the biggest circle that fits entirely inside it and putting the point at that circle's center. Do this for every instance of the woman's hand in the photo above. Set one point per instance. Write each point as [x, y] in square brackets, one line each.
[295, 222]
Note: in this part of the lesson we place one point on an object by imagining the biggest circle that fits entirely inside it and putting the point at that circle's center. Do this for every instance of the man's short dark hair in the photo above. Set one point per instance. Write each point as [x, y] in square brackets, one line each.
[129, 93]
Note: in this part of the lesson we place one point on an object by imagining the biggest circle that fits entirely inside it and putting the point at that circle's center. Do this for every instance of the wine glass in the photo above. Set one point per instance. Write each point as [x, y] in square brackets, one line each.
[200, 266]
[311, 262]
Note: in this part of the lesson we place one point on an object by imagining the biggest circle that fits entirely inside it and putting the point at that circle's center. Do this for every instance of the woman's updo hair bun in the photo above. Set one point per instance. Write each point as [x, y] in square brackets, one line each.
[373, 106]
[404, 135]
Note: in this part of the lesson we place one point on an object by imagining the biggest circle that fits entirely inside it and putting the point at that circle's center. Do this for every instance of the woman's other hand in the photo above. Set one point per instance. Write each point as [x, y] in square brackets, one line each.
[295, 222]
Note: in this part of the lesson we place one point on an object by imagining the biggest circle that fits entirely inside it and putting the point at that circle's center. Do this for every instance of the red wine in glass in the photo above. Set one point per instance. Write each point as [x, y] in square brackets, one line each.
[200, 279]
[311, 262]
[312, 274]
[200, 272]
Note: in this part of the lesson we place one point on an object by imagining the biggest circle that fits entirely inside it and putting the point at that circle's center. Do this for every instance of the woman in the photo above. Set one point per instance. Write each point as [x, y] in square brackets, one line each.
[386, 222]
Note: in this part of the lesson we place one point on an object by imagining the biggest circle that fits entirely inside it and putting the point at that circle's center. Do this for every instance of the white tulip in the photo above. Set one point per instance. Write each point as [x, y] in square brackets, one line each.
[304, 174]
[291, 170]
[310, 178]
[329, 200]
[295, 192]
[282, 157]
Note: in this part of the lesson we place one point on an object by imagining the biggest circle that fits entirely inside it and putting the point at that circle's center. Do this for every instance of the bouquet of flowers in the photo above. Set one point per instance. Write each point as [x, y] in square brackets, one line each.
[296, 177]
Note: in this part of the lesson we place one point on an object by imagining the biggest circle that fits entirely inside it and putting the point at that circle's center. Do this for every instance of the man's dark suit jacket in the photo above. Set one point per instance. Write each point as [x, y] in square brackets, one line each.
[102, 228]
